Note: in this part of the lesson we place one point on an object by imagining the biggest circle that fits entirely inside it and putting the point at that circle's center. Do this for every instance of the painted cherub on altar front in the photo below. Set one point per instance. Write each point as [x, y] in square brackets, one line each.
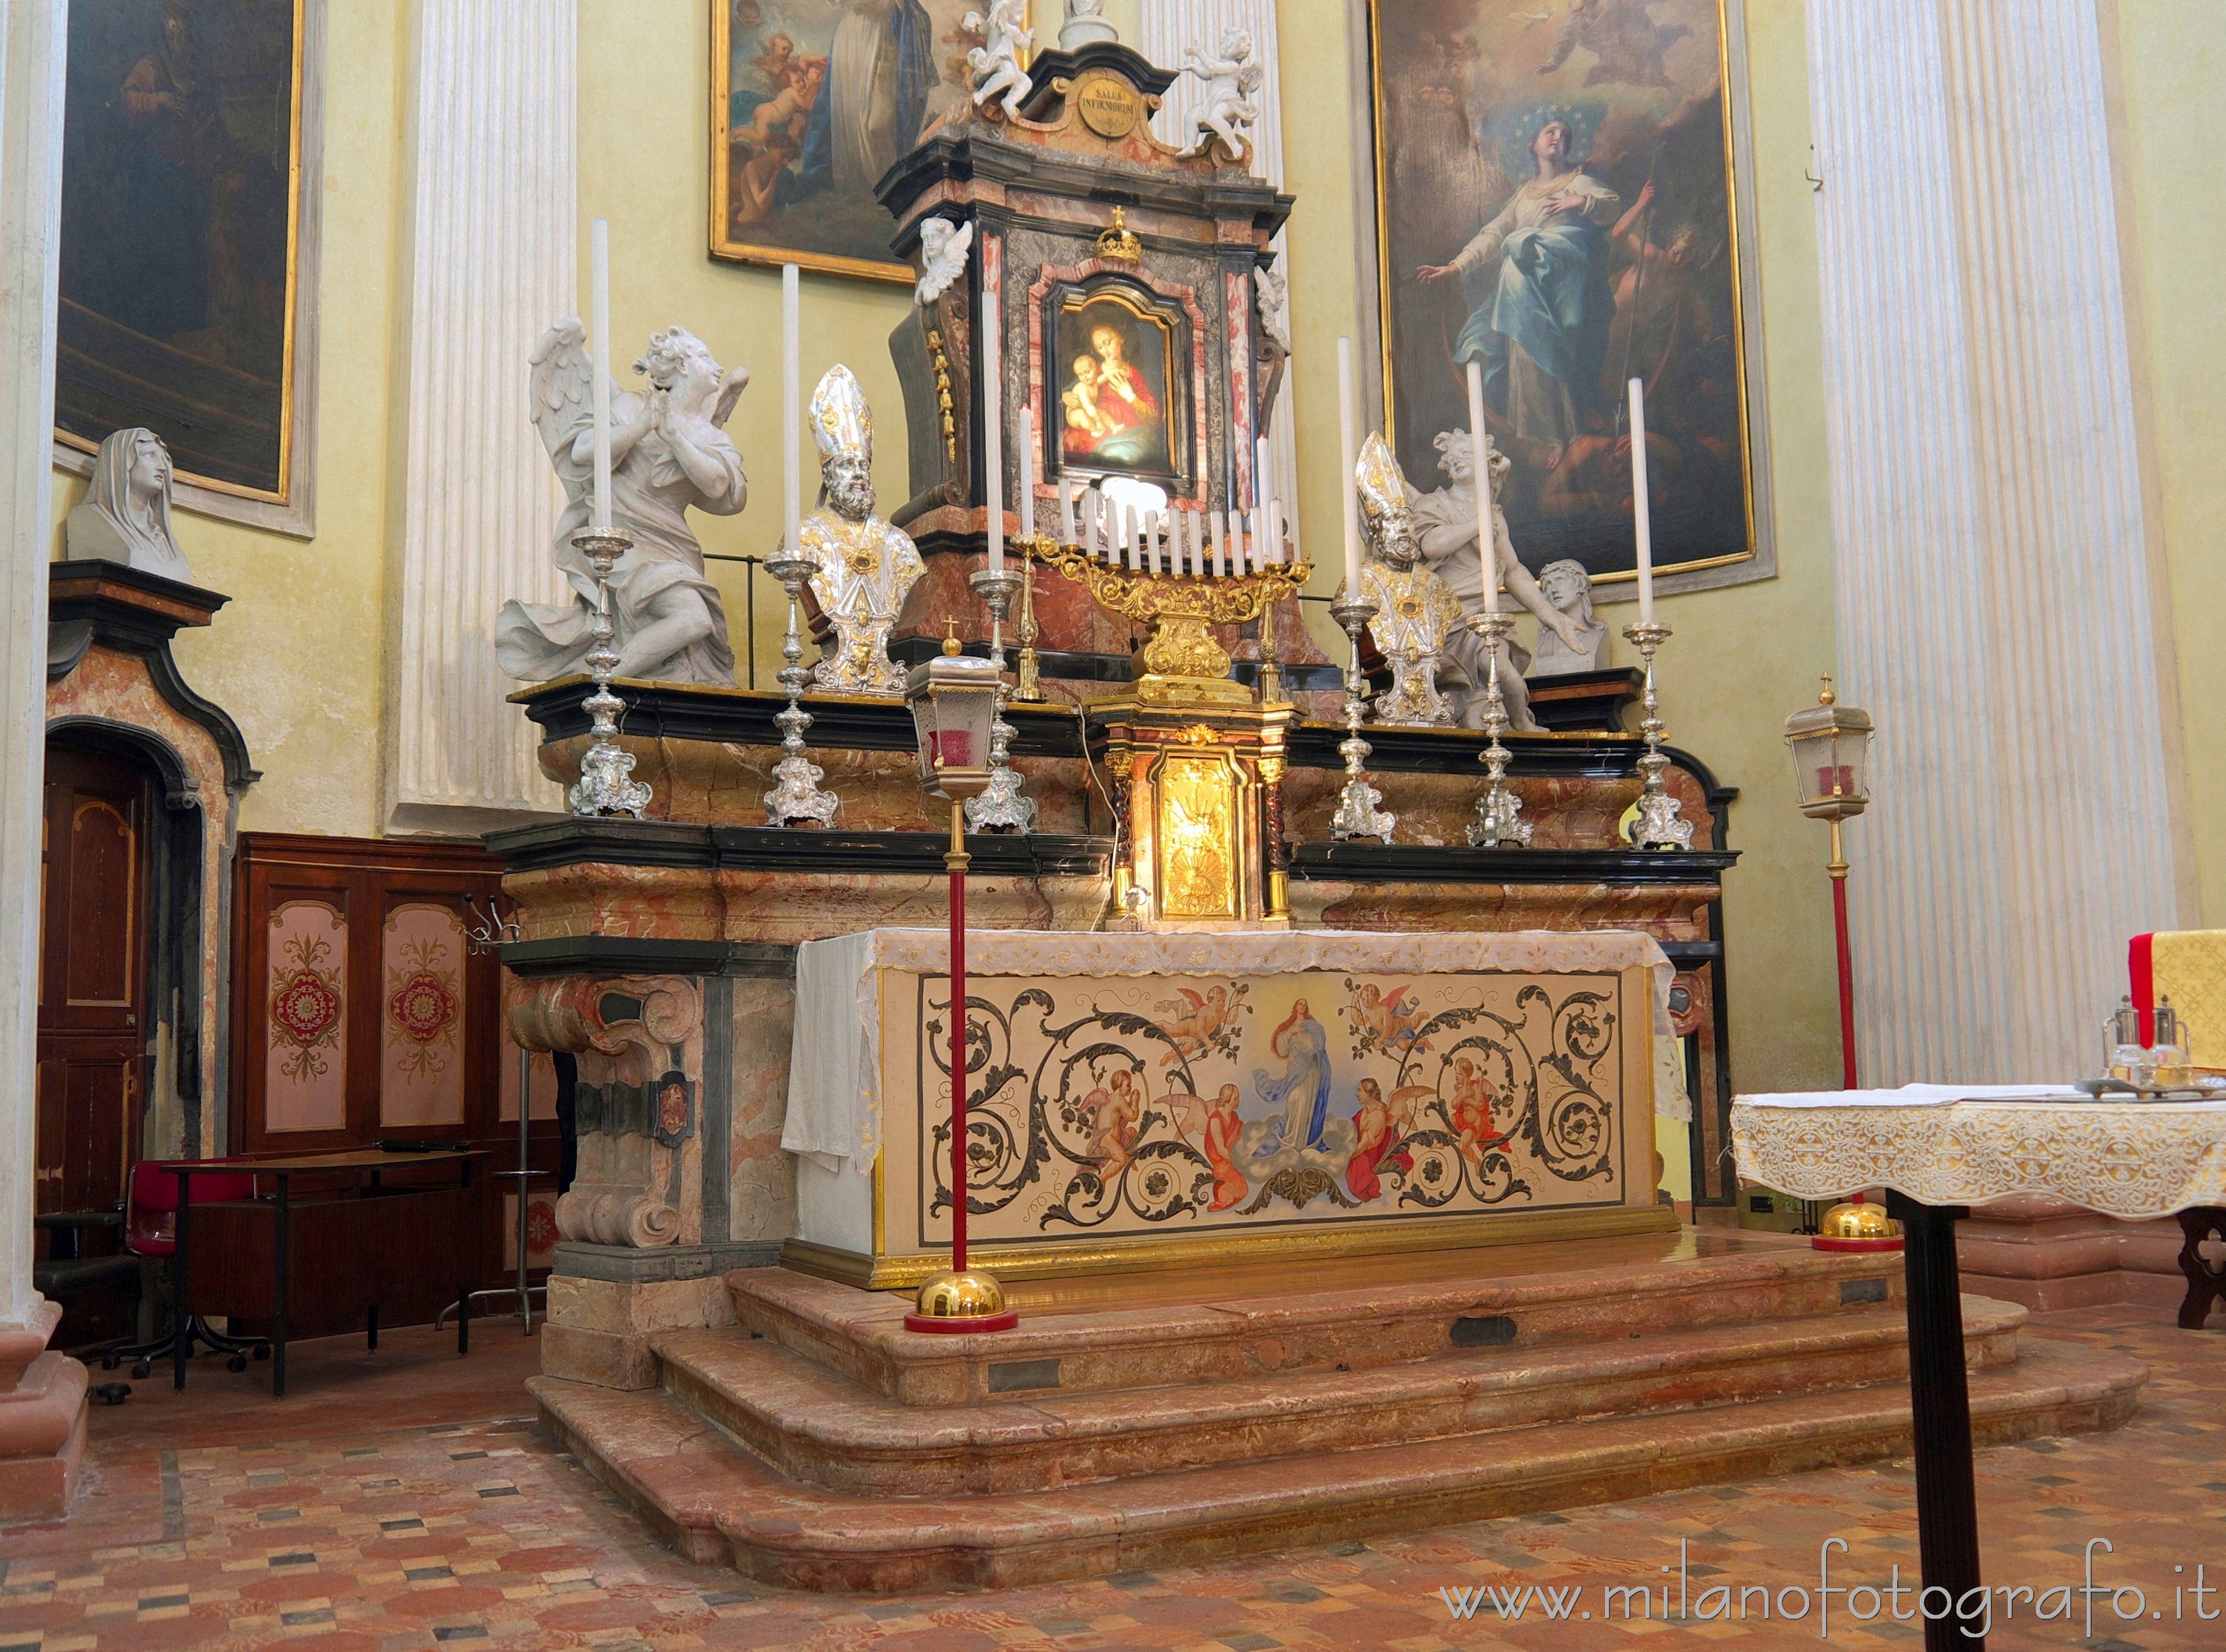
[1416, 613]
[866, 566]
[669, 452]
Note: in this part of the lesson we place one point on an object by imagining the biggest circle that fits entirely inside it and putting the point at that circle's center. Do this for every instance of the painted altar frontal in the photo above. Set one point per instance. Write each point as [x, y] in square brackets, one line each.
[1141, 1100]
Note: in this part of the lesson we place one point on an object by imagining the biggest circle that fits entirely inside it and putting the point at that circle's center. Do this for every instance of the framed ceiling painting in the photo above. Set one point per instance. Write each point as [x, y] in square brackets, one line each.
[191, 144]
[812, 102]
[1557, 197]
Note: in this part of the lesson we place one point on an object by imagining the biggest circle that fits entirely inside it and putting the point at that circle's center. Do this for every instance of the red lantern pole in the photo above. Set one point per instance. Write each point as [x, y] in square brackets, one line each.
[956, 861]
[1839, 871]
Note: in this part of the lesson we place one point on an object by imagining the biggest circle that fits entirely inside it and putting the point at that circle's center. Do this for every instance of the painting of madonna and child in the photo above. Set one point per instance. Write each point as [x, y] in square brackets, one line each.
[1557, 205]
[1113, 367]
[1159, 1105]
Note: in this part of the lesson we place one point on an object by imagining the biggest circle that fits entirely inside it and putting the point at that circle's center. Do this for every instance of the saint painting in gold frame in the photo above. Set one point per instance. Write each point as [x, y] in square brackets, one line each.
[1557, 199]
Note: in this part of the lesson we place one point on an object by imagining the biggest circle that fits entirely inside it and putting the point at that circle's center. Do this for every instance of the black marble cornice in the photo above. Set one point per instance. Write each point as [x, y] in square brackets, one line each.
[1362, 862]
[802, 851]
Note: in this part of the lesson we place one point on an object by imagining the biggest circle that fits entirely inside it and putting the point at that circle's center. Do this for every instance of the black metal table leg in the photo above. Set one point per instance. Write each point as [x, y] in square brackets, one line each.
[463, 1320]
[1940, 1404]
[182, 1336]
[283, 1281]
[370, 1338]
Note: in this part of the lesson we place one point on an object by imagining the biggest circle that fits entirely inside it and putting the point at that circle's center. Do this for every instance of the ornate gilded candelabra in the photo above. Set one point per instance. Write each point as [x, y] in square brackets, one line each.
[1181, 609]
[1003, 806]
[1028, 688]
[604, 788]
[796, 798]
[1360, 806]
[1498, 823]
[1658, 826]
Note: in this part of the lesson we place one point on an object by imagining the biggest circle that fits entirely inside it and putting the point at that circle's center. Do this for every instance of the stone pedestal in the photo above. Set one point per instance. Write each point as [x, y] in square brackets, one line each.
[41, 1421]
[2049, 1255]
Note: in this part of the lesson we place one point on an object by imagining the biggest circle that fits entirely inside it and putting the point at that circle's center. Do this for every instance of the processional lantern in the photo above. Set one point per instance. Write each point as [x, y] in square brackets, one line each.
[954, 701]
[1830, 744]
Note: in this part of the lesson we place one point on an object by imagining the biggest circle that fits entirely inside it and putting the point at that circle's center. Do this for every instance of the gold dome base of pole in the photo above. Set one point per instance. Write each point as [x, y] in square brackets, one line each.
[1857, 1226]
[955, 1305]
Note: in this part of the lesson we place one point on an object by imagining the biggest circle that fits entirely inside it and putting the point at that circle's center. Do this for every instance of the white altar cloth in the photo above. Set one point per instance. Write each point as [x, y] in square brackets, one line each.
[1975, 1144]
[834, 1111]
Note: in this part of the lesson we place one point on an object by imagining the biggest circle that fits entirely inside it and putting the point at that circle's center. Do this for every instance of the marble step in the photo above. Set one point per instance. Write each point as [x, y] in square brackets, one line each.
[814, 1425]
[1252, 1322]
[714, 1500]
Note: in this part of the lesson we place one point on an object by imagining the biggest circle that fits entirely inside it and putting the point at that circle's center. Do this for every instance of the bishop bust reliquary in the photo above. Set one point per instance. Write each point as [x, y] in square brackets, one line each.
[1416, 611]
[864, 567]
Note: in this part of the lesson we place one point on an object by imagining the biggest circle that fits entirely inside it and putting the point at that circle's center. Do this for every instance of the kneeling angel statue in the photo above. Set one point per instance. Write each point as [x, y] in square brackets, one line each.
[669, 451]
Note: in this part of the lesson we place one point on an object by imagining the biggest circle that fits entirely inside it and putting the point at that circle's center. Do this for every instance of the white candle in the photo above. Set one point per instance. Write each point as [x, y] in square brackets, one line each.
[1276, 553]
[1132, 539]
[1487, 549]
[1196, 535]
[599, 242]
[1219, 525]
[791, 410]
[1093, 527]
[1638, 503]
[993, 429]
[1348, 456]
[1259, 477]
[1027, 472]
[1066, 532]
[1151, 539]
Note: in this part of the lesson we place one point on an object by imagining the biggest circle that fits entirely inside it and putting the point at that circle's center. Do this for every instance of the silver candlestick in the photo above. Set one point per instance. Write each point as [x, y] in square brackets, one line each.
[1359, 810]
[1498, 823]
[796, 798]
[603, 787]
[1658, 826]
[1004, 806]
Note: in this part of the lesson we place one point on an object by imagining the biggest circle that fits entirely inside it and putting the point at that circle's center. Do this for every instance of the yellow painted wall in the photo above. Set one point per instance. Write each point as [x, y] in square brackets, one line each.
[297, 657]
[2171, 152]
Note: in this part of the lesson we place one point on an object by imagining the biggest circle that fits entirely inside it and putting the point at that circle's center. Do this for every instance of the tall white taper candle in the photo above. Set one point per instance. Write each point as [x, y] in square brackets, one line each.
[791, 410]
[598, 244]
[993, 428]
[1643, 528]
[1027, 472]
[1066, 528]
[1264, 549]
[1348, 446]
[1487, 548]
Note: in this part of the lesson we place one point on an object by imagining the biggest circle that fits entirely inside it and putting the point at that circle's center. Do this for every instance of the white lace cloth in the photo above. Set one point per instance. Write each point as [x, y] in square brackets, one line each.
[834, 1102]
[1975, 1144]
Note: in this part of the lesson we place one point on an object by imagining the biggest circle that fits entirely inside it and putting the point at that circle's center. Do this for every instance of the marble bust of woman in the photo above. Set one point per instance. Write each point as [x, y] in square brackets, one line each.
[125, 514]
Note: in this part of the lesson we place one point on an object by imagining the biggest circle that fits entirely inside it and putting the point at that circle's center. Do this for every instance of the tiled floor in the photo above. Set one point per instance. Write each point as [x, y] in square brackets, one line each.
[403, 1501]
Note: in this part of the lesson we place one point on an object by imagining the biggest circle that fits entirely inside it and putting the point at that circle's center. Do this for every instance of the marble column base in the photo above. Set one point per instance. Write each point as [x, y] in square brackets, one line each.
[606, 1302]
[42, 1422]
[2047, 1255]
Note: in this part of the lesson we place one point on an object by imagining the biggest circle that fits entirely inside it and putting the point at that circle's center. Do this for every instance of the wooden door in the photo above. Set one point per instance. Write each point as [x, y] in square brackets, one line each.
[92, 978]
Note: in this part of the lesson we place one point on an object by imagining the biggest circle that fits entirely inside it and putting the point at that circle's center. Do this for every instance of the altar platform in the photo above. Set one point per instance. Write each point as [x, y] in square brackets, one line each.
[1136, 1422]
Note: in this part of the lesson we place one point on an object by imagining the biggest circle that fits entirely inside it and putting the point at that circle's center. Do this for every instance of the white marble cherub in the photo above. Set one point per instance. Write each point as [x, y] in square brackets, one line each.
[1225, 109]
[944, 247]
[669, 452]
[1446, 525]
[998, 76]
[125, 514]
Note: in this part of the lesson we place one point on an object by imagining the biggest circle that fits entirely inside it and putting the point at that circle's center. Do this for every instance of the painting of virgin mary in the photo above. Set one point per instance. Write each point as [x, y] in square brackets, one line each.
[1112, 374]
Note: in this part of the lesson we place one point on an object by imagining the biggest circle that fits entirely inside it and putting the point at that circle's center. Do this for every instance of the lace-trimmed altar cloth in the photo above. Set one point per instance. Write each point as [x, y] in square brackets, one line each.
[1975, 1144]
[834, 1113]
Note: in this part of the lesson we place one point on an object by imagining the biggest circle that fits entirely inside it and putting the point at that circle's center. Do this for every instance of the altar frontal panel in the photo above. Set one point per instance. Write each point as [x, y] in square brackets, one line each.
[1324, 1109]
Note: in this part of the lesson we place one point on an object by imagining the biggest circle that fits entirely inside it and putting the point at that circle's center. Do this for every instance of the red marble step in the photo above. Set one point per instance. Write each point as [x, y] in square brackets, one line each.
[1357, 1313]
[814, 1425]
[710, 1497]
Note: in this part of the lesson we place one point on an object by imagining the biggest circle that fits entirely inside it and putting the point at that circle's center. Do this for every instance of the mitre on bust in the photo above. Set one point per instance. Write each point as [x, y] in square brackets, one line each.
[125, 514]
[865, 568]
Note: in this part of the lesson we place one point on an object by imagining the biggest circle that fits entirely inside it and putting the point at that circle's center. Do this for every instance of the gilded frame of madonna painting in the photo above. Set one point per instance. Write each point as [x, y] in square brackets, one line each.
[812, 102]
[1114, 379]
[1557, 198]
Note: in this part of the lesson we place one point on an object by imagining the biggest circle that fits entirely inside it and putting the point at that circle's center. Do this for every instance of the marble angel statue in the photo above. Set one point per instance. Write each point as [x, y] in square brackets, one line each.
[944, 247]
[998, 76]
[125, 514]
[1446, 528]
[668, 452]
[1225, 109]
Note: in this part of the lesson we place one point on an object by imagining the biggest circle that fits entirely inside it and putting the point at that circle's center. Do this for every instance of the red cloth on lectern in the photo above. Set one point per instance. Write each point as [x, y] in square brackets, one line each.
[2141, 970]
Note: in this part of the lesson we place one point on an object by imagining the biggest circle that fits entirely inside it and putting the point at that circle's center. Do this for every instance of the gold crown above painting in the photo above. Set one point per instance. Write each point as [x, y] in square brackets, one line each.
[1122, 278]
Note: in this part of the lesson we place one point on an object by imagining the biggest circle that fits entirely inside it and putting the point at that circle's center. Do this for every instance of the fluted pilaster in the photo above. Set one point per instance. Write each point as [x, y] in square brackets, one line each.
[1169, 26]
[1990, 558]
[493, 252]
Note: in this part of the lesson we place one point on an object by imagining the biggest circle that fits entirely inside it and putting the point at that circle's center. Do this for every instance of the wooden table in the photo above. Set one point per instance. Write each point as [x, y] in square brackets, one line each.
[373, 1238]
[1937, 1157]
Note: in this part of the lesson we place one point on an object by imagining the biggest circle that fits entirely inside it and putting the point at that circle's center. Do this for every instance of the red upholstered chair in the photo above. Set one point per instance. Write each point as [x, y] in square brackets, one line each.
[151, 1229]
